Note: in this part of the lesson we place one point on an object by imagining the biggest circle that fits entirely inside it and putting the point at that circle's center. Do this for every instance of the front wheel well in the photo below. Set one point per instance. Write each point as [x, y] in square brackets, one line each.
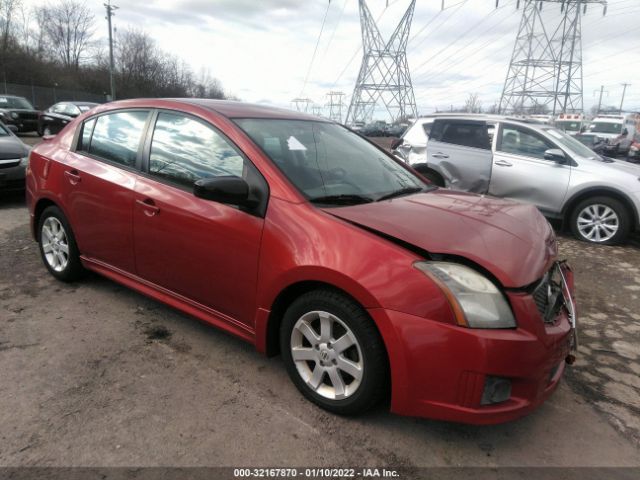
[601, 192]
[284, 299]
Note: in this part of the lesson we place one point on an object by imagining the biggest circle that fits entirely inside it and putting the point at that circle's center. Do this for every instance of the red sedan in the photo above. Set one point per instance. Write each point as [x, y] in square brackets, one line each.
[300, 236]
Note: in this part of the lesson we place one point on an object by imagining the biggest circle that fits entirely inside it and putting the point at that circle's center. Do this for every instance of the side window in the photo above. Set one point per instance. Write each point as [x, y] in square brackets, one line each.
[184, 150]
[116, 136]
[518, 141]
[85, 136]
[465, 134]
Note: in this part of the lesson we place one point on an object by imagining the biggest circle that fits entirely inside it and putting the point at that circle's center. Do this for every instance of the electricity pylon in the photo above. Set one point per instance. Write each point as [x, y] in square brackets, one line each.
[384, 74]
[335, 106]
[545, 72]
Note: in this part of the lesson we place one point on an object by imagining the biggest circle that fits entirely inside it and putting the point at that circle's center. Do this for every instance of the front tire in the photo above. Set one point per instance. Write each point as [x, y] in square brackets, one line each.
[58, 247]
[601, 220]
[333, 352]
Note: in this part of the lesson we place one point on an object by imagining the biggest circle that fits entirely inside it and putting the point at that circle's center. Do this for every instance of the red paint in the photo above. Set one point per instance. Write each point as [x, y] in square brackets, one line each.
[227, 267]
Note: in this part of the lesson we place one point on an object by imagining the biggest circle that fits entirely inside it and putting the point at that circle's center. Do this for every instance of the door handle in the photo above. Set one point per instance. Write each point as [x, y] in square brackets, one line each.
[503, 163]
[72, 176]
[440, 155]
[148, 207]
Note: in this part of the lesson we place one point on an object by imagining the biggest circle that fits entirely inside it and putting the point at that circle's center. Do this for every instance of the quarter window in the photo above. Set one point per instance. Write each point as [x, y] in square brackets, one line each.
[116, 136]
[184, 150]
[520, 142]
[85, 138]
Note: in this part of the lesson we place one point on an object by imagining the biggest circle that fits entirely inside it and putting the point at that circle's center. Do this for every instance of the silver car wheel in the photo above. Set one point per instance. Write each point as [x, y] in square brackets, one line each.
[327, 355]
[55, 244]
[598, 223]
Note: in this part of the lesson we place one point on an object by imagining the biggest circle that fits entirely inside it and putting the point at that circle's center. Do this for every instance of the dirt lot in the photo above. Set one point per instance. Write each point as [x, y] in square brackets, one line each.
[93, 374]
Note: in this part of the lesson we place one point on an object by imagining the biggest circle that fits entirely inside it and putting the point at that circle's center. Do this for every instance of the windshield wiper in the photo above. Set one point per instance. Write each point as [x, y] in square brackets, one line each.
[400, 193]
[344, 199]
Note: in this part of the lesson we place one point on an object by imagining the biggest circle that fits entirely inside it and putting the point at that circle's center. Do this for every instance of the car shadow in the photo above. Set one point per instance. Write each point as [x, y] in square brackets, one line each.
[12, 200]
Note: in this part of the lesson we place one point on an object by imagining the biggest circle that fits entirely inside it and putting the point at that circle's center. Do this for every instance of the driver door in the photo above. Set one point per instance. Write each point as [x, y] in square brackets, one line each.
[200, 249]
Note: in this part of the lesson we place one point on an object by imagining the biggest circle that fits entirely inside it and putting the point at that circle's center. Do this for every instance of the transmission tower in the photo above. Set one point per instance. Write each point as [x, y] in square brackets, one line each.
[302, 104]
[384, 73]
[335, 106]
[545, 73]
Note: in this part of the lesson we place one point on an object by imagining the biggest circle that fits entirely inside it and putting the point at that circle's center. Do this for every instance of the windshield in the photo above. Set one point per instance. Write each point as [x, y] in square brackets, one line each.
[602, 127]
[328, 163]
[571, 143]
[15, 102]
[588, 140]
[571, 126]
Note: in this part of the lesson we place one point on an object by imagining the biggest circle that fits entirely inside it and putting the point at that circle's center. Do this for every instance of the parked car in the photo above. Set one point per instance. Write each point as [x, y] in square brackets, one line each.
[304, 238]
[598, 198]
[395, 129]
[18, 114]
[593, 141]
[374, 129]
[570, 123]
[57, 116]
[14, 157]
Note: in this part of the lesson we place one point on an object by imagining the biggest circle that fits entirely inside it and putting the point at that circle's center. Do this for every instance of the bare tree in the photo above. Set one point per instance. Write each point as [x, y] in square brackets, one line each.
[7, 11]
[473, 104]
[68, 28]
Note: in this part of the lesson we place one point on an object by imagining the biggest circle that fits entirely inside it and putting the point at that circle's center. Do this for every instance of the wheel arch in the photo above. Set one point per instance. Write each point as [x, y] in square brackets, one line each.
[605, 192]
[285, 298]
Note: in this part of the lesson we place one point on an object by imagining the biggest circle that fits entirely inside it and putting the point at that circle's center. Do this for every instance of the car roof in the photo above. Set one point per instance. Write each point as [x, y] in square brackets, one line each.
[530, 122]
[237, 109]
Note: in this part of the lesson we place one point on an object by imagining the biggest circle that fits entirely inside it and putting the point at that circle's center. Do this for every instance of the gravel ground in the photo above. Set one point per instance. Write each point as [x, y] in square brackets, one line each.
[93, 374]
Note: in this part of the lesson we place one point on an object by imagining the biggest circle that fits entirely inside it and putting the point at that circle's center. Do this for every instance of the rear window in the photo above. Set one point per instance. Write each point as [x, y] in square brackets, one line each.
[116, 136]
[465, 134]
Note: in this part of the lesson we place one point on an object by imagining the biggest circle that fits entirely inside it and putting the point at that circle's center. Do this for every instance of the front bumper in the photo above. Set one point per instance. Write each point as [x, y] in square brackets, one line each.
[439, 370]
[12, 178]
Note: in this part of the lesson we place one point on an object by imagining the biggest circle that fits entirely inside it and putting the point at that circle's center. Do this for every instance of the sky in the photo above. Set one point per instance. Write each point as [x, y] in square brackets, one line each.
[262, 50]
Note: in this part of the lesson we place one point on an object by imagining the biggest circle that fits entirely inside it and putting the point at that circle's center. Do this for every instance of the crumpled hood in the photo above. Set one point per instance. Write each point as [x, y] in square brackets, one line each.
[511, 240]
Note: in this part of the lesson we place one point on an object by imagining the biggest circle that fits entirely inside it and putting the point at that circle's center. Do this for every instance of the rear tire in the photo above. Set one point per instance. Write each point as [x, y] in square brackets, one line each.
[600, 220]
[58, 247]
[340, 360]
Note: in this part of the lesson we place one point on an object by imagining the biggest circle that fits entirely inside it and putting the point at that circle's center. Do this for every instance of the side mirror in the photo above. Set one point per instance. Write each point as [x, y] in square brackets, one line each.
[230, 189]
[556, 155]
[396, 143]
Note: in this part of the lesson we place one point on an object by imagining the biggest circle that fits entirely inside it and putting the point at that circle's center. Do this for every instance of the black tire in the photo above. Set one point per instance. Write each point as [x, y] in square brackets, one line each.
[73, 269]
[433, 177]
[624, 219]
[374, 384]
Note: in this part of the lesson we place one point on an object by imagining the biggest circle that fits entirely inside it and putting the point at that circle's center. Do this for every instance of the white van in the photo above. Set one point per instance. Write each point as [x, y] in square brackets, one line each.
[617, 129]
[570, 123]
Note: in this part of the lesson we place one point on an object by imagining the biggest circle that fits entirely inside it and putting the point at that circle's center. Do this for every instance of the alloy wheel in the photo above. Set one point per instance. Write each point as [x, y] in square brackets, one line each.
[327, 355]
[598, 223]
[55, 244]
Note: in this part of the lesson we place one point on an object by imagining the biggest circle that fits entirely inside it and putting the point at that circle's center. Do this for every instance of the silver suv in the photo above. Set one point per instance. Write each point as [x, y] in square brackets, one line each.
[598, 197]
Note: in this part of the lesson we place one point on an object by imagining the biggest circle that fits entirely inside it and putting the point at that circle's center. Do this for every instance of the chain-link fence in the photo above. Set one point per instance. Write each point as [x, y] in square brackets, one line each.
[44, 97]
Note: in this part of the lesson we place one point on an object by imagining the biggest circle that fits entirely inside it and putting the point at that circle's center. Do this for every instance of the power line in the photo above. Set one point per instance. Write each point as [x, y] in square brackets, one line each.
[315, 50]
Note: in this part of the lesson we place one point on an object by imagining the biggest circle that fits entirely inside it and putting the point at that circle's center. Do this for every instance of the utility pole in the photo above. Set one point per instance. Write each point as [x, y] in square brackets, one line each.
[624, 89]
[110, 9]
[600, 98]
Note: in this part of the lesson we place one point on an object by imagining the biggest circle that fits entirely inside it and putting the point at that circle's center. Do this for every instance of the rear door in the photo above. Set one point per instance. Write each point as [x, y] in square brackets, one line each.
[520, 171]
[99, 181]
[203, 250]
[460, 151]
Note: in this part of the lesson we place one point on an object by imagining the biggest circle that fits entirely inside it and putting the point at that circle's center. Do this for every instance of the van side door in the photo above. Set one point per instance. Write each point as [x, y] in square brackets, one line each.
[460, 151]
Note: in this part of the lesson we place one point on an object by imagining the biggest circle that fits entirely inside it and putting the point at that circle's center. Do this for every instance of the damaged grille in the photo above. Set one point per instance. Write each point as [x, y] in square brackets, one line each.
[548, 295]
